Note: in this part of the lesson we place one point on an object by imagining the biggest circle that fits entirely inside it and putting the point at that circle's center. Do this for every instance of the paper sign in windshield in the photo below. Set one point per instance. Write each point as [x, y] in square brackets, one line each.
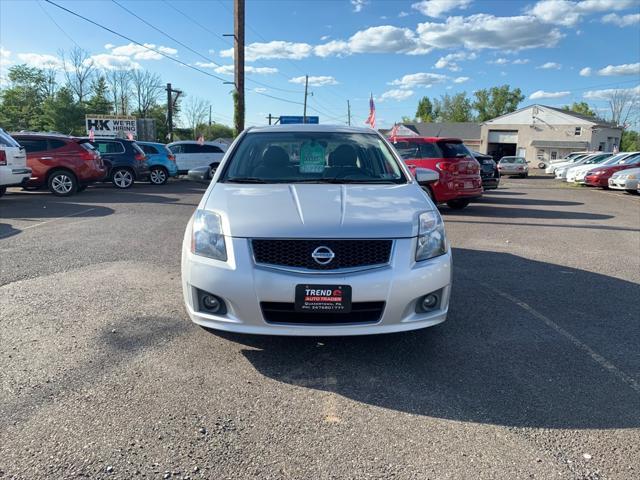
[312, 158]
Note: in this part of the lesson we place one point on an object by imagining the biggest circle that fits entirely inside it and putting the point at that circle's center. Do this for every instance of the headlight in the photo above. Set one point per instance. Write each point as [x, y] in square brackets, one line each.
[207, 238]
[432, 240]
[632, 176]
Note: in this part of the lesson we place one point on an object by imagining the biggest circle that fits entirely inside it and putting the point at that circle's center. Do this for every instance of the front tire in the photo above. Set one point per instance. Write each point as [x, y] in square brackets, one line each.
[122, 178]
[62, 183]
[158, 176]
[458, 204]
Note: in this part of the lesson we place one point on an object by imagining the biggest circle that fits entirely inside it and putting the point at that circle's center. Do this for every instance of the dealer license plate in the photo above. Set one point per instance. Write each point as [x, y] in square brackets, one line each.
[323, 298]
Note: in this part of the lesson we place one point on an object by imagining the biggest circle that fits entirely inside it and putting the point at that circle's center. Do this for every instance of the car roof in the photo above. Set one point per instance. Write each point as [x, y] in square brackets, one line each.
[191, 142]
[311, 127]
[428, 139]
[155, 144]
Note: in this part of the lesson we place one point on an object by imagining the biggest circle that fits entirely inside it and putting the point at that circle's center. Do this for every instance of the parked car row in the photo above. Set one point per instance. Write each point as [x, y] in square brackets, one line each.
[67, 165]
[619, 171]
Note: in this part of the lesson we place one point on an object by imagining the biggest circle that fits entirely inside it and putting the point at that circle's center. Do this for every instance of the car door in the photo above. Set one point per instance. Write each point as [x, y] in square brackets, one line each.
[178, 151]
[111, 153]
[212, 154]
[194, 156]
[38, 158]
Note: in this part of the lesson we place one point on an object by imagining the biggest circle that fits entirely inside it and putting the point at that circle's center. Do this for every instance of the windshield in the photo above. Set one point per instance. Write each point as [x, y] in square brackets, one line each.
[410, 150]
[7, 140]
[313, 157]
[512, 160]
[629, 160]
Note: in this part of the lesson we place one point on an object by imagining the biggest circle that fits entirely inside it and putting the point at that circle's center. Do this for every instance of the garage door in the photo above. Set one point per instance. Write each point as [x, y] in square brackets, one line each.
[503, 136]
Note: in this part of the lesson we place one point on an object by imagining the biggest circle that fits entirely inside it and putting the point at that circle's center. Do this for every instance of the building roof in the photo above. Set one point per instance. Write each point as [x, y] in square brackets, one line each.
[571, 113]
[462, 130]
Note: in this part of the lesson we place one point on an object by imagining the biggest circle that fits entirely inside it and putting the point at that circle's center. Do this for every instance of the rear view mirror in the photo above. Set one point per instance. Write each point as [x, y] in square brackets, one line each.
[199, 174]
[426, 176]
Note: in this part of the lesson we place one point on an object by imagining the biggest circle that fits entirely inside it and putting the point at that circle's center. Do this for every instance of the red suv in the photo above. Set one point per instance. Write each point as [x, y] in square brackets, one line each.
[460, 180]
[66, 165]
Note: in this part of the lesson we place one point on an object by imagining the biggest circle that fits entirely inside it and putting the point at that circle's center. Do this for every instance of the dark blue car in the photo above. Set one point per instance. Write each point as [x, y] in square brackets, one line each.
[162, 163]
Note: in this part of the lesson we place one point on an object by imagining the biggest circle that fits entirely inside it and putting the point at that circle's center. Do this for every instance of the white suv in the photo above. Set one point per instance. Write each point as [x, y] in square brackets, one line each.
[192, 154]
[13, 163]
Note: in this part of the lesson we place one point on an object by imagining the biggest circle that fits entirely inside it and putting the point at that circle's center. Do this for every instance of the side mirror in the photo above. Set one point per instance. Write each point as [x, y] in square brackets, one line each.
[199, 174]
[426, 176]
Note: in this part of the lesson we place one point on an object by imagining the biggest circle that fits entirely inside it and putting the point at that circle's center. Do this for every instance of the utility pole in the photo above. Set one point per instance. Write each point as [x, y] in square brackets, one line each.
[349, 112]
[306, 87]
[238, 31]
[171, 103]
[209, 114]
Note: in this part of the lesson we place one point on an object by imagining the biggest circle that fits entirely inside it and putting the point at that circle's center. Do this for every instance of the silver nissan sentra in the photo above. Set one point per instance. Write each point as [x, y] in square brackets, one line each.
[316, 230]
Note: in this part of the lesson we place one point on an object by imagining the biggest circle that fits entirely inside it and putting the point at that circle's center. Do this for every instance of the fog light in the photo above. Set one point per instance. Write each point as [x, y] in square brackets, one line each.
[211, 303]
[429, 301]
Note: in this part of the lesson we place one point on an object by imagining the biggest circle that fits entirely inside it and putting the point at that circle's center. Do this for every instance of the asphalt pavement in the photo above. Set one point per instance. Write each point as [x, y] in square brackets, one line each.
[535, 374]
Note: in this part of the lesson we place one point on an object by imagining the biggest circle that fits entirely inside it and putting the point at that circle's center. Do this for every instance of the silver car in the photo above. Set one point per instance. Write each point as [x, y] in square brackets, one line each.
[316, 230]
[513, 166]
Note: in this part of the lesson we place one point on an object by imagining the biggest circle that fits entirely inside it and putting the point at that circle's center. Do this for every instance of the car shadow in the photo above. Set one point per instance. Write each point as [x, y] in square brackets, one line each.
[488, 198]
[492, 361]
[7, 230]
[488, 210]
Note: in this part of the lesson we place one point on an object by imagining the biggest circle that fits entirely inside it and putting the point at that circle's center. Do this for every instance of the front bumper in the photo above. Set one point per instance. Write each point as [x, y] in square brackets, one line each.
[596, 181]
[490, 183]
[623, 183]
[243, 285]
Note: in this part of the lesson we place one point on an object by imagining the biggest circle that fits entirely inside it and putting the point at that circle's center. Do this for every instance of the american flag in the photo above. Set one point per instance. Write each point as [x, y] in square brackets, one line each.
[394, 132]
[371, 119]
[201, 140]
[92, 134]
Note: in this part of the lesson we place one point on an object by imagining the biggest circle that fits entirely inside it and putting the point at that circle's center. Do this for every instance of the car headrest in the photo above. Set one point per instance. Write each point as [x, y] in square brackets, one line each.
[275, 157]
[343, 156]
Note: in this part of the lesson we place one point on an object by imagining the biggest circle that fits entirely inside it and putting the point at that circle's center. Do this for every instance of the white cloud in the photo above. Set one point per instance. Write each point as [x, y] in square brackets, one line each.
[585, 72]
[487, 31]
[450, 61]
[403, 14]
[607, 93]
[318, 81]
[542, 94]
[107, 61]
[383, 39]
[109, 46]
[397, 95]
[499, 61]
[358, 5]
[625, 69]
[228, 69]
[4, 57]
[622, 21]
[550, 66]
[138, 52]
[334, 47]
[421, 79]
[41, 60]
[461, 79]
[273, 49]
[520, 61]
[260, 90]
[568, 13]
[324, 38]
[435, 8]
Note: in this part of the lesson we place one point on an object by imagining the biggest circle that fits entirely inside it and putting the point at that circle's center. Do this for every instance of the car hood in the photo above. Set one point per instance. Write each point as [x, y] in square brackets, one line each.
[318, 210]
[628, 171]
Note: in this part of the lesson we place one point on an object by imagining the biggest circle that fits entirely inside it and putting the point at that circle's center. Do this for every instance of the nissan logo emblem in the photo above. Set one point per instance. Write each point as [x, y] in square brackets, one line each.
[323, 255]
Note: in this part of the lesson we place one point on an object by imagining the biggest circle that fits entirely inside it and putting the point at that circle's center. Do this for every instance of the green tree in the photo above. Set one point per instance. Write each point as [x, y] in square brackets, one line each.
[21, 103]
[453, 108]
[580, 107]
[406, 119]
[99, 102]
[425, 110]
[159, 114]
[496, 101]
[630, 141]
[217, 130]
[62, 114]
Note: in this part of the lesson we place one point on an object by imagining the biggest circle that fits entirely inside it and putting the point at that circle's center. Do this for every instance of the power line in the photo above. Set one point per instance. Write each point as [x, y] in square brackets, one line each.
[135, 41]
[57, 25]
[277, 98]
[164, 33]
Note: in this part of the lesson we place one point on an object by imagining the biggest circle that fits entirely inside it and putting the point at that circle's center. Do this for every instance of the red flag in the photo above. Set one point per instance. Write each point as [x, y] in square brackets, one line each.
[92, 134]
[201, 140]
[371, 119]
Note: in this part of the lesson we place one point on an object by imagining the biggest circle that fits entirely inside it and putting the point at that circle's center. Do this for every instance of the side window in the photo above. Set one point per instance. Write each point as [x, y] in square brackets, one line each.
[148, 149]
[192, 148]
[53, 144]
[175, 149]
[109, 147]
[210, 149]
[34, 145]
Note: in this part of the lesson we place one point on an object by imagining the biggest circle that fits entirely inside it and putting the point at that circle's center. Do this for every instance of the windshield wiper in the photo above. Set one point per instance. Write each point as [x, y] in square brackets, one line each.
[244, 180]
[351, 180]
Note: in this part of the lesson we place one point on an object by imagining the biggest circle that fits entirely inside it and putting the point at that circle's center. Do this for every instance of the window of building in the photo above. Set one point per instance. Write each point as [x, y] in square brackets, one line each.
[554, 155]
[578, 131]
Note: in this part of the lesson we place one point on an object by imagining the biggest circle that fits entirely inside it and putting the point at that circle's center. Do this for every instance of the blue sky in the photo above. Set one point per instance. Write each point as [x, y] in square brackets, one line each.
[556, 51]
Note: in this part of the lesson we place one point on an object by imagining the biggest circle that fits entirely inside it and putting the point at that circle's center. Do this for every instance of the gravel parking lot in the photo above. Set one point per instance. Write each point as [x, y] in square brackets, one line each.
[535, 374]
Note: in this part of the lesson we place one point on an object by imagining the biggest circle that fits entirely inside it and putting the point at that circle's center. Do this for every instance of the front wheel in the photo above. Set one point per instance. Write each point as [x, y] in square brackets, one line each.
[62, 183]
[122, 178]
[158, 176]
[458, 204]
[542, 165]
